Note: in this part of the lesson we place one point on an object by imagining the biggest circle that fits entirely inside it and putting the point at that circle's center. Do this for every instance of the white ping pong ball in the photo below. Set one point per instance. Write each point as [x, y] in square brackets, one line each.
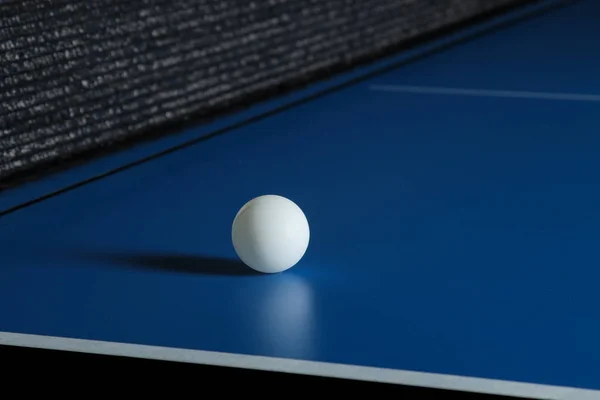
[270, 234]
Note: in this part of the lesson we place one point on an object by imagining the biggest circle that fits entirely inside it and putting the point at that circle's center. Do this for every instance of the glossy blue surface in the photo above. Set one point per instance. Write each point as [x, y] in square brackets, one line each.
[450, 234]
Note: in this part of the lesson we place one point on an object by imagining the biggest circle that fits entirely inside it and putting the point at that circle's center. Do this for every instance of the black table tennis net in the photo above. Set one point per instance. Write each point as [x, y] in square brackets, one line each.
[83, 76]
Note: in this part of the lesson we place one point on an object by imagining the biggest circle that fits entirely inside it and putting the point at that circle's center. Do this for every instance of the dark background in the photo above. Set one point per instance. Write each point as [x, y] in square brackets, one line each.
[54, 370]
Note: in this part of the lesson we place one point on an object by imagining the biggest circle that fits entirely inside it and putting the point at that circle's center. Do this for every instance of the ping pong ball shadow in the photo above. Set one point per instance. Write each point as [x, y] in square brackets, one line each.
[178, 263]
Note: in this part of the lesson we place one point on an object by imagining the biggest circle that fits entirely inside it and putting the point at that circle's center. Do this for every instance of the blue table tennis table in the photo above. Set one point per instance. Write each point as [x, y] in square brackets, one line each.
[453, 193]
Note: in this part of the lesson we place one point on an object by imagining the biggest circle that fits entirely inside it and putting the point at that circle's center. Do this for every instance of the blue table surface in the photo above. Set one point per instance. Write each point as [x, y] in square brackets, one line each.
[453, 234]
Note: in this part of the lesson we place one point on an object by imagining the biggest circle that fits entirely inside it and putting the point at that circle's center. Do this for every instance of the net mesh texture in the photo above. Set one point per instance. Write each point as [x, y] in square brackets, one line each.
[77, 76]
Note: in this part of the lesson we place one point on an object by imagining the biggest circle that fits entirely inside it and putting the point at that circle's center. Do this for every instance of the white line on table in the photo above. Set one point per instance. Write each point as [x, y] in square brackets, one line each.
[486, 93]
